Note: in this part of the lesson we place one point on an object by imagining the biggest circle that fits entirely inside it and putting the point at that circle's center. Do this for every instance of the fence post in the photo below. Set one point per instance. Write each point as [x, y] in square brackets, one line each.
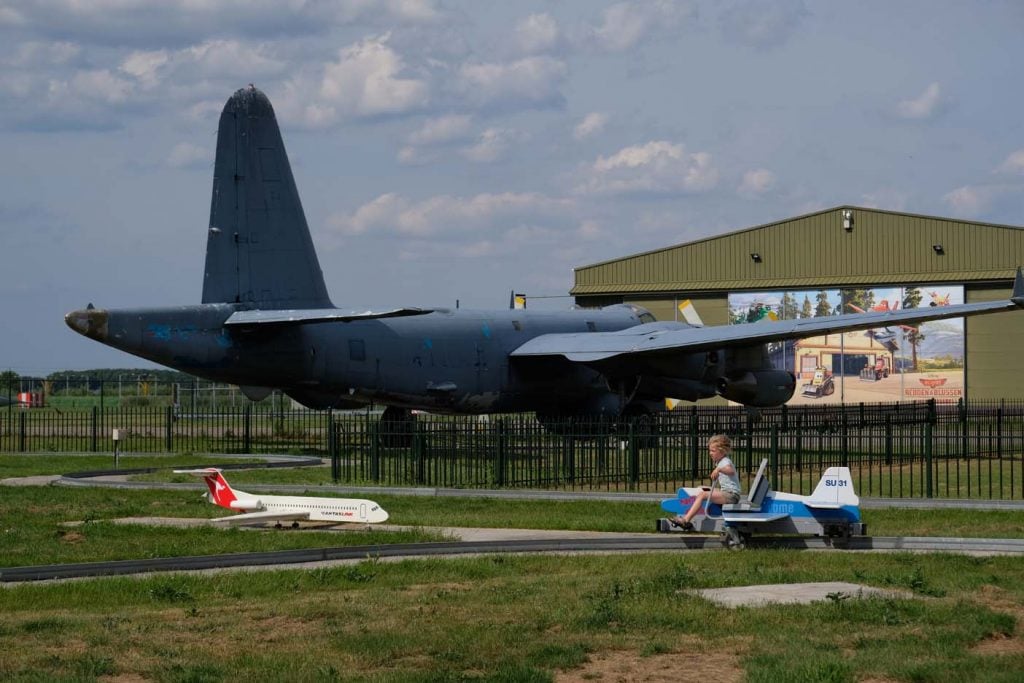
[332, 448]
[95, 427]
[999, 431]
[501, 455]
[418, 452]
[845, 438]
[247, 428]
[374, 431]
[928, 459]
[168, 424]
[21, 432]
[888, 440]
[694, 455]
[773, 453]
[634, 456]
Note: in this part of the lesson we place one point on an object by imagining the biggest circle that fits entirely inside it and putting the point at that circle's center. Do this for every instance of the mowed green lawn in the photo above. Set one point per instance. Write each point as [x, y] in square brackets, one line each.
[500, 618]
[526, 618]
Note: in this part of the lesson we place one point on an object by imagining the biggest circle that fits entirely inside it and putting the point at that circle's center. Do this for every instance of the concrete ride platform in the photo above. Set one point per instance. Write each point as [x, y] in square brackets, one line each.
[792, 593]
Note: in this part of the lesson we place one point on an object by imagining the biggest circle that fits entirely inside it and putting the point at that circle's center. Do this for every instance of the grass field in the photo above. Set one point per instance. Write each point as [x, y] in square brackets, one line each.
[526, 618]
[502, 618]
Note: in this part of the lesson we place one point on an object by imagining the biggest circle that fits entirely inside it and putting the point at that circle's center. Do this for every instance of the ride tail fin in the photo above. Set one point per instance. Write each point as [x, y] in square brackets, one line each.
[834, 490]
[221, 492]
[258, 250]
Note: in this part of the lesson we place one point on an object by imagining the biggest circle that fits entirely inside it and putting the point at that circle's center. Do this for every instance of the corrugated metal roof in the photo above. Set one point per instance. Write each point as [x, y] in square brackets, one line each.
[994, 276]
[816, 250]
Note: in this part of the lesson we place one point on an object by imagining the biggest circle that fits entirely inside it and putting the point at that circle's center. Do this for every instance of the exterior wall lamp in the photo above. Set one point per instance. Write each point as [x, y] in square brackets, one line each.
[755, 257]
[938, 249]
[847, 220]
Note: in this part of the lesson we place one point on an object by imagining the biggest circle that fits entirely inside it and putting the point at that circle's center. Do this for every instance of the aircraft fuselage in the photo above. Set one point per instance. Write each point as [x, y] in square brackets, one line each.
[446, 360]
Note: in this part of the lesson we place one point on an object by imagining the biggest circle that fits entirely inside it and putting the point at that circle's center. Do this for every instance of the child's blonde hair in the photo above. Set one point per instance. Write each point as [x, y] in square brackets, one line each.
[721, 441]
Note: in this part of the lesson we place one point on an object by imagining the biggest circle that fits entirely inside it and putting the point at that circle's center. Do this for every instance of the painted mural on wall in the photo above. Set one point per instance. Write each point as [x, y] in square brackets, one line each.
[899, 363]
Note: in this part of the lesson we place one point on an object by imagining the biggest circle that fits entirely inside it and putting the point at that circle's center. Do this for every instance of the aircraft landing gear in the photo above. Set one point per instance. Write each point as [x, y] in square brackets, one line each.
[396, 427]
[643, 424]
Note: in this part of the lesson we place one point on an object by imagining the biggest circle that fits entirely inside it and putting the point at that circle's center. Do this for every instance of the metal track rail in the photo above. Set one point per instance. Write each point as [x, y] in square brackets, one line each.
[644, 543]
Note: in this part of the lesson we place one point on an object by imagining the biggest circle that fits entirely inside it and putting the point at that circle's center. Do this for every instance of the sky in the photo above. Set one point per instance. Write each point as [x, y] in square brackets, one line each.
[454, 151]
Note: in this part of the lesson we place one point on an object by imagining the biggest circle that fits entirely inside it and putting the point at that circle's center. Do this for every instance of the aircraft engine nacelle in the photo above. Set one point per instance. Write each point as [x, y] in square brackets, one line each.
[247, 504]
[321, 400]
[758, 388]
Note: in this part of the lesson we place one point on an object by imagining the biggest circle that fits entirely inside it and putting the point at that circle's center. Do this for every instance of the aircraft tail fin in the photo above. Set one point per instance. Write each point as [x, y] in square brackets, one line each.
[258, 250]
[834, 490]
[221, 492]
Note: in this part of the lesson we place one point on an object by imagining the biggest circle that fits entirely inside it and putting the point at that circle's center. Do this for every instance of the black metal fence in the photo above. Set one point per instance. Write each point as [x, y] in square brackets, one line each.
[964, 450]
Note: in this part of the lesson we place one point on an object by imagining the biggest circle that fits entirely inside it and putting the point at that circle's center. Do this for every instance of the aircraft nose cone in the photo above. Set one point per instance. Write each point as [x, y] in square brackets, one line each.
[90, 322]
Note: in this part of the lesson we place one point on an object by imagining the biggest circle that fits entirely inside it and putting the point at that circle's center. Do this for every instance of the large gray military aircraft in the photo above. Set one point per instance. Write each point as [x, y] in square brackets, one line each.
[266, 322]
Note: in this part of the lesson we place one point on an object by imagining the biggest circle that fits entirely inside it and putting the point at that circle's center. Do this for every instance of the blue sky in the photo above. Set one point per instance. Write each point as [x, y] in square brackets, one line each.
[456, 150]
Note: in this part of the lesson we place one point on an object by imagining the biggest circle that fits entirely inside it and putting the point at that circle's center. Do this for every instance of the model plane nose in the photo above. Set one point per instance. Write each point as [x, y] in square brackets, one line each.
[90, 322]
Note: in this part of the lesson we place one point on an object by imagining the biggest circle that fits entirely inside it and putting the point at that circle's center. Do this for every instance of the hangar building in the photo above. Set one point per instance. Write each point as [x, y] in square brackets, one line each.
[832, 258]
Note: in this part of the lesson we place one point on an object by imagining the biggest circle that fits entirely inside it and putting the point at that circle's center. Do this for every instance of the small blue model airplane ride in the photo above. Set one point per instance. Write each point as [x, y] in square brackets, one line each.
[833, 510]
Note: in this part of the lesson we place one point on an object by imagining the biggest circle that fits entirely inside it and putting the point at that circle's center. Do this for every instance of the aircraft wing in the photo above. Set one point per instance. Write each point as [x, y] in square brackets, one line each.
[265, 516]
[315, 315]
[665, 338]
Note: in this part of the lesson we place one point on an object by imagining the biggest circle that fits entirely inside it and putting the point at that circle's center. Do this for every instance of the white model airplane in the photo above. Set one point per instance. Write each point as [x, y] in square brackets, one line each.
[832, 510]
[281, 508]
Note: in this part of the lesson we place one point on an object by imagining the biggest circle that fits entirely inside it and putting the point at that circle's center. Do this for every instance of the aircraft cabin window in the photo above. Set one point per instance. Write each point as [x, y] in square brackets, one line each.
[517, 326]
[356, 350]
[591, 327]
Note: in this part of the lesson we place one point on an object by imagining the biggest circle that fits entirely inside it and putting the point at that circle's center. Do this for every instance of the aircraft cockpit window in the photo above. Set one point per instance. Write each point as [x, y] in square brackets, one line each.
[356, 349]
[646, 317]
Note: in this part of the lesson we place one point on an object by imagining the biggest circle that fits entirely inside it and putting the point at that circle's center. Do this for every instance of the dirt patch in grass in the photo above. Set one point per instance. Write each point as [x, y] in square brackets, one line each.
[125, 678]
[998, 600]
[618, 666]
[72, 537]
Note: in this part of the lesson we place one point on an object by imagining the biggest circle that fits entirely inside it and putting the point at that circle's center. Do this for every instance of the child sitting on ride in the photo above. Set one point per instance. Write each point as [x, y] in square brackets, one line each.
[728, 491]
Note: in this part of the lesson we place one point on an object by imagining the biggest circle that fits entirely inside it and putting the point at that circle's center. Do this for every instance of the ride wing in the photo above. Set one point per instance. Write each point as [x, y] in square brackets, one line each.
[667, 338]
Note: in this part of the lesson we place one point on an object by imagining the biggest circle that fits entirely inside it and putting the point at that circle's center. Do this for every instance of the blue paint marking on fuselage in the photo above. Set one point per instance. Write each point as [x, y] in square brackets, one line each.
[161, 332]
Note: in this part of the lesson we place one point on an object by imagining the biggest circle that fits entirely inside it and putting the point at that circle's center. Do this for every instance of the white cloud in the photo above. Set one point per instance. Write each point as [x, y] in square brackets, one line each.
[492, 145]
[923, 106]
[536, 33]
[180, 22]
[99, 84]
[532, 82]
[145, 66]
[366, 81]
[756, 182]
[761, 24]
[624, 25]
[971, 200]
[32, 53]
[658, 167]
[226, 57]
[591, 124]
[1014, 163]
[187, 155]
[392, 214]
[442, 130]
